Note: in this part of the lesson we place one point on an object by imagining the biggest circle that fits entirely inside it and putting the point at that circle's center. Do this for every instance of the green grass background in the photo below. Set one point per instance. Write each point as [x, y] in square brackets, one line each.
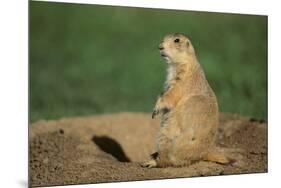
[92, 59]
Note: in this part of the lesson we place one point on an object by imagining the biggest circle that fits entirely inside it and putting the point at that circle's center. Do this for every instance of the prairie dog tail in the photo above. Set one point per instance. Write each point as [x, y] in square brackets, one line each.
[224, 155]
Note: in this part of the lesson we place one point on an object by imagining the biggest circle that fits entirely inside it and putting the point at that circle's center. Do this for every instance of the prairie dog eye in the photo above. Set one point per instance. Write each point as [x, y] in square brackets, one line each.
[177, 40]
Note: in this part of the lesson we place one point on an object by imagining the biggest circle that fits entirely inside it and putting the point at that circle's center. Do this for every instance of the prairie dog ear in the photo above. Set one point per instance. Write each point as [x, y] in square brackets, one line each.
[187, 43]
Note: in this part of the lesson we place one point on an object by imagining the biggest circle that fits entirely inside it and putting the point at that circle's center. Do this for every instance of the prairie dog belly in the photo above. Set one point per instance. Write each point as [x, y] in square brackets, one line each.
[198, 115]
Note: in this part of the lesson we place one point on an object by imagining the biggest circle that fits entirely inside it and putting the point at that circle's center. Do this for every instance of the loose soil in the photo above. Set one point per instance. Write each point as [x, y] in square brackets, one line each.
[110, 148]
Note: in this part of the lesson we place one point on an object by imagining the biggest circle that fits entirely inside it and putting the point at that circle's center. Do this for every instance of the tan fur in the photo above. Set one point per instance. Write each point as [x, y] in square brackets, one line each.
[188, 109]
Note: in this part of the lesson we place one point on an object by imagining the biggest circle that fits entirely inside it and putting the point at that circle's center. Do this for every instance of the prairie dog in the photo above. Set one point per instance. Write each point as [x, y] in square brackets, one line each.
[188, 110]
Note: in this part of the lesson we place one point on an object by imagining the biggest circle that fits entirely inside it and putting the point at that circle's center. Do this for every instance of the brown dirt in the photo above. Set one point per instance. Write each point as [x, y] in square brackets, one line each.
[110, 148]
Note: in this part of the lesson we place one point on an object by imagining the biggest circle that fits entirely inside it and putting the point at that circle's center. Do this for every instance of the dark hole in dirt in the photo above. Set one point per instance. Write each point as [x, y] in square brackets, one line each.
[111, 146]
[61, 131]
[258, 120]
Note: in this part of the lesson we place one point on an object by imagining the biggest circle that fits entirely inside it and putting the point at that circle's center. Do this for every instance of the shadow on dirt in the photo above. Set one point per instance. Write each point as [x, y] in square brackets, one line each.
[111, 146]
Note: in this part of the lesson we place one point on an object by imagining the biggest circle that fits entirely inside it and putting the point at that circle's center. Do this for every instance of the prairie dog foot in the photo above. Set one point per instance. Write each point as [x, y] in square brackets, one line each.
[149, 164]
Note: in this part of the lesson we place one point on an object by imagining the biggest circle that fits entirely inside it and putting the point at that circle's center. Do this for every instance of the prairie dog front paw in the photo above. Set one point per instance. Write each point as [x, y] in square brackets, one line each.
[161, 106]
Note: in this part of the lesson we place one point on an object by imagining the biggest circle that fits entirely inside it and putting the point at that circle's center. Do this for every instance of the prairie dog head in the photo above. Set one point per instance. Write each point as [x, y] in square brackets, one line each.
[176, 48]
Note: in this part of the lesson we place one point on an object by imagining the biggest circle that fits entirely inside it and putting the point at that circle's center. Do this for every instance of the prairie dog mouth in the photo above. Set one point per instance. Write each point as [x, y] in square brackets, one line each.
[165, 56]
[162, 53]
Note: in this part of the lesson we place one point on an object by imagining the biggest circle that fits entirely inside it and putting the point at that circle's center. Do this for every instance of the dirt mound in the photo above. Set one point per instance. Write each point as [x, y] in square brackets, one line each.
[109, 148]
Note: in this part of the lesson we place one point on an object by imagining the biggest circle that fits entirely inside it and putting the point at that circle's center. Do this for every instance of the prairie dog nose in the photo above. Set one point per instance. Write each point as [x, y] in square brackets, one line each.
[161, 46]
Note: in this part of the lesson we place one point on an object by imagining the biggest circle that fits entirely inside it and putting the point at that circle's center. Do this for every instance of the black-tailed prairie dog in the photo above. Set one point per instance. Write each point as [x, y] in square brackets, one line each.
[188, 109]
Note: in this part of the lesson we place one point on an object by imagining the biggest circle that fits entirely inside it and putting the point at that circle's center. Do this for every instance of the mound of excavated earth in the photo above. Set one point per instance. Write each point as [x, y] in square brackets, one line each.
[110, 148]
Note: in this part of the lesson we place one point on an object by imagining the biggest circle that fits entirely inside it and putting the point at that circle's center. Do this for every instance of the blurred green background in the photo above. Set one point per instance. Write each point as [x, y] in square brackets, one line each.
[92, 59]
